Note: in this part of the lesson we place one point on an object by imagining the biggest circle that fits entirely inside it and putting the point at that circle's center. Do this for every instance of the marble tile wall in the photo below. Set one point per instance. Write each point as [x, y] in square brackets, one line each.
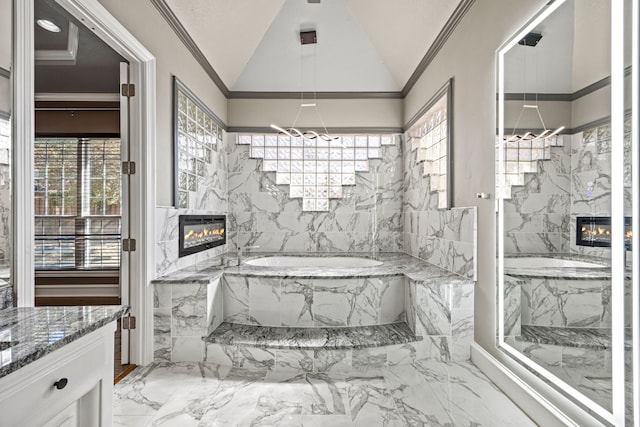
[445, 238]
[211, 198]
[541, 215]
[536, 218]
[182, 314]
[441, 311]
[591, 179]
[366, 218]
[313, 302]
[566, 303]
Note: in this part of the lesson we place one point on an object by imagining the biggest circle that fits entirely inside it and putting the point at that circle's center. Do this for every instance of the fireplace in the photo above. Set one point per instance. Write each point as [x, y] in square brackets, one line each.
[596, 231]
[200, 232]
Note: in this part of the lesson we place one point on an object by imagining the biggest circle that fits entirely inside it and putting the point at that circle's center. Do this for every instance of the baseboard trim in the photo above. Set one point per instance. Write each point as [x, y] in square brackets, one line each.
[533, 403]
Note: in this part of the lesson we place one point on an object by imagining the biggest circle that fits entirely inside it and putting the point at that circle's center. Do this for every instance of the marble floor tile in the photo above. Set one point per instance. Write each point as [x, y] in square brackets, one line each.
[426, 393]
[131, 420]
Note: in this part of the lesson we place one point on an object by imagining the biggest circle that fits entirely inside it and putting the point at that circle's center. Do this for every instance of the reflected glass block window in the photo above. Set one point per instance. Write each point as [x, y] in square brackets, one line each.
[521, 157]
[315, 169]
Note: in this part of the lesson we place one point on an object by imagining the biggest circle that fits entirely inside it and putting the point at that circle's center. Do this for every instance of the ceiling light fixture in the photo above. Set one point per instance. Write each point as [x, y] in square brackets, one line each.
[531, 40]
[306, 37]
[48, 25]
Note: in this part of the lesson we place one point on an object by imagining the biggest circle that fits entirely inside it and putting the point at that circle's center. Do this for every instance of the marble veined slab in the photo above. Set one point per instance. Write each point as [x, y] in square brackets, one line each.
[393, 264]
[593, 338]
[312, 338]
[27, 334]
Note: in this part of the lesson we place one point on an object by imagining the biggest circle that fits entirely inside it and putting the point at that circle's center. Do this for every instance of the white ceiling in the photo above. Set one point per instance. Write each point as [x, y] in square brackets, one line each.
[363, 45]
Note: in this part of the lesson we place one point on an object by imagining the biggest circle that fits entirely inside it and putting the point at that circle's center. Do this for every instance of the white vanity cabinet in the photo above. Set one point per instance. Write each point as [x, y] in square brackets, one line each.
[71, 386]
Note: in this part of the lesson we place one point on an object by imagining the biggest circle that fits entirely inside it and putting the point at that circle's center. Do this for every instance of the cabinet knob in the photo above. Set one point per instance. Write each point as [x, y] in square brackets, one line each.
[61, 383]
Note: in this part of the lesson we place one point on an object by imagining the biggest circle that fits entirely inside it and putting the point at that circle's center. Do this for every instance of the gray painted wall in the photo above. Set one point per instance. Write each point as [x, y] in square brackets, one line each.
[5, 34]
[172, 58]
[473, 67]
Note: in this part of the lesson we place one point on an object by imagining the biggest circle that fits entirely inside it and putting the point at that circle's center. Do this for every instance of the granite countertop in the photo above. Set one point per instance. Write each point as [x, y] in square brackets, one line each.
[394, 264]
[29, 333]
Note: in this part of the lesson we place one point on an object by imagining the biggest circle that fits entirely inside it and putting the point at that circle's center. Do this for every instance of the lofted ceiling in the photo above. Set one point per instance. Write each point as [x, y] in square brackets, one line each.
[363, 45]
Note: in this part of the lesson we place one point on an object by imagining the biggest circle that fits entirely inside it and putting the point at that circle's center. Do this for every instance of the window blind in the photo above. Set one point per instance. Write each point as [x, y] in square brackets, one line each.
[77, 201]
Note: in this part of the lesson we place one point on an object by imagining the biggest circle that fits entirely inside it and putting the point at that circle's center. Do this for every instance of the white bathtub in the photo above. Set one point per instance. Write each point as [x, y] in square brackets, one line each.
[542, 262]
[303, 261]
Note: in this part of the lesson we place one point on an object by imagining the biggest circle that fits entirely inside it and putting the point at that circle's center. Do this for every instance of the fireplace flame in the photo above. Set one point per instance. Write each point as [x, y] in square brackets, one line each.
[193, 235]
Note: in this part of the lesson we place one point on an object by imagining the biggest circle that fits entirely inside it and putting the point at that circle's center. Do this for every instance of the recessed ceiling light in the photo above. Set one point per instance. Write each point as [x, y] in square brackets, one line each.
[48, 25]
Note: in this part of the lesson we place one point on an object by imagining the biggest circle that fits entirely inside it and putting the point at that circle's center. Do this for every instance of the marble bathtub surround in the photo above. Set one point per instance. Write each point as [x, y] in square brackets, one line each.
[425, 393]
[307, 297]
[574, 298]
[183, 313]
[27, 334]
[270, 301]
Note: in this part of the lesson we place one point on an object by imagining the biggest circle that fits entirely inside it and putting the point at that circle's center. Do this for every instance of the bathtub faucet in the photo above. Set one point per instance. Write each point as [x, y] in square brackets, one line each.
[241, 249]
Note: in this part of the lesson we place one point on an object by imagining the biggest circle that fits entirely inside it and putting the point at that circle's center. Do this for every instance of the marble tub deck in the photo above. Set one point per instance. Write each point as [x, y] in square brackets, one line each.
[420, 394]
[394, 264]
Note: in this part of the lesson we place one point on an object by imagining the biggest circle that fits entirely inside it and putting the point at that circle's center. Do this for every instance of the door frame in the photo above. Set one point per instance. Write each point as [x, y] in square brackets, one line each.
[143, 188]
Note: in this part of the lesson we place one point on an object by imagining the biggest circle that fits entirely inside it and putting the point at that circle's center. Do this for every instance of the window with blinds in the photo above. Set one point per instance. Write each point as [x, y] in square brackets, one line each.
[77, 204]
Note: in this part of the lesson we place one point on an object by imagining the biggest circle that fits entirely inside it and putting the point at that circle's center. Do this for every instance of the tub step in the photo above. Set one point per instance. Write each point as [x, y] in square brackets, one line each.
[343, 338]
[590, 338]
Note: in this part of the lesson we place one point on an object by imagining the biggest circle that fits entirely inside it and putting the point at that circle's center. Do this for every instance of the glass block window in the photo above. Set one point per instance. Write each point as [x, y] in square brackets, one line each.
[315, 169]
[197, 134]
[429, 138]
[521, 156]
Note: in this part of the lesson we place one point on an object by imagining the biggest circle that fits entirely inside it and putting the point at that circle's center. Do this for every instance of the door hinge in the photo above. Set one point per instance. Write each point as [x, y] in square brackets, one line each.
[128, 168]
[128, 89]
[128, 245]
[129, 322]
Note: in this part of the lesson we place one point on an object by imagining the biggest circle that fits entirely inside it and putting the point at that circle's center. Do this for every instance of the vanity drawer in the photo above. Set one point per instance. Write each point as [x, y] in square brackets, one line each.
[28, 397]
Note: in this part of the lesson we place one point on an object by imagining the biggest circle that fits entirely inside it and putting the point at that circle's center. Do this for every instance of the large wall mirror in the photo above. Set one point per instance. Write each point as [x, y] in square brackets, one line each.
[6, 37]
[565, 198]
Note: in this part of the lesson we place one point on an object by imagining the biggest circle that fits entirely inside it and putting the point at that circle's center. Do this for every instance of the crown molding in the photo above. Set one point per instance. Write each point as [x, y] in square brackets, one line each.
[317, 95]
[587, 90]
[442, 37]
[63, 56]
[332, 130]
[183, 35]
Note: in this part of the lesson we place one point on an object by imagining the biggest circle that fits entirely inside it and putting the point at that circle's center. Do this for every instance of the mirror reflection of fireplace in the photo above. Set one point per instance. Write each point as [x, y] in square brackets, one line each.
[596, 231]
[200, 232]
